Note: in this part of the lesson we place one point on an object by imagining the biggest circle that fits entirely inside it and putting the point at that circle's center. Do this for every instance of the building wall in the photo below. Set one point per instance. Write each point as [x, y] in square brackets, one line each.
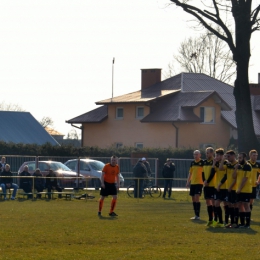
[130, 130]
[198, 134]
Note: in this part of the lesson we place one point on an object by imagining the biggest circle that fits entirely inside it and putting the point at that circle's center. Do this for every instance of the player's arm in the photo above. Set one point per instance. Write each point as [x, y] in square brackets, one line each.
[258, 179]
[188, 180]
[222, 181]
[102, 180]
[243, 182]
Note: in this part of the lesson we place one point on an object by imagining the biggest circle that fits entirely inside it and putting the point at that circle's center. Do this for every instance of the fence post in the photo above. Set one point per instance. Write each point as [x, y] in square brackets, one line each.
[78, 171]
[156, 171]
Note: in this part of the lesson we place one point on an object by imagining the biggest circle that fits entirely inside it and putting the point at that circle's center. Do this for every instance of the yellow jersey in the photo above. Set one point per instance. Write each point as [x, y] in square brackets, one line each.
[229, 172]
[254, 172]
[220, 175]
[196, 169]
[244, 171]
[207, 166]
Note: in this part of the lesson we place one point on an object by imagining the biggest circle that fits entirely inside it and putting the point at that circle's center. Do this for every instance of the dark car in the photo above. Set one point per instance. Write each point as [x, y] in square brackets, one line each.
[69, 177]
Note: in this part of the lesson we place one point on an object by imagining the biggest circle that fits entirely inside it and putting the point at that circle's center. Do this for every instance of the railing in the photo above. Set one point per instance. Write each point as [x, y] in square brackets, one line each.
[126, 165]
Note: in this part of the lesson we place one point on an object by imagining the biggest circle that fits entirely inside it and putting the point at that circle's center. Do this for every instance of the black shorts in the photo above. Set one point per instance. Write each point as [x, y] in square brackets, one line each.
[209, 192]
[110, 189]
[253, 194]
[221, 195]
[232, 197]
[244, 197]
[195, 189]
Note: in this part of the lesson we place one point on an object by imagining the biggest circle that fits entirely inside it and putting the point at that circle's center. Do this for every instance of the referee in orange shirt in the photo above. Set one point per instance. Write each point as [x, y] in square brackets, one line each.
[109, 178]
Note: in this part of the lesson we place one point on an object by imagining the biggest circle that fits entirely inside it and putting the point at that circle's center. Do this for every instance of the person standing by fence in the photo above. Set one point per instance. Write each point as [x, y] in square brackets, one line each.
[147, 166]
[167, 173]
[140, 173]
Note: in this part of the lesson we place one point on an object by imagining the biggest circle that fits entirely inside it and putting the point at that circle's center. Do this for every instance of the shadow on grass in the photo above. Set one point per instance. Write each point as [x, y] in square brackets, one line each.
[248, 231]
[107, 218]
[198, 221]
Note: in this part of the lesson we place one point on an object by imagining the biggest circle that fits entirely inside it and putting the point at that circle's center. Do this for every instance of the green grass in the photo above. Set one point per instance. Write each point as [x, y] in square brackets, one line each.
[145, 229]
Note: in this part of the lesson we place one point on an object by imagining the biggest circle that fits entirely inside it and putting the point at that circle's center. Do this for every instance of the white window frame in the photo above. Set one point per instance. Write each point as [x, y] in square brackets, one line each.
[119, 145]
[139, 144]
[119, 117]
[214, 116]
[136, 112]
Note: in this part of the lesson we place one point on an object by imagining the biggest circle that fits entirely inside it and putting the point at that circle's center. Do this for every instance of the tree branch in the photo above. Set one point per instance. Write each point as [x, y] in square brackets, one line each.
[212, 17]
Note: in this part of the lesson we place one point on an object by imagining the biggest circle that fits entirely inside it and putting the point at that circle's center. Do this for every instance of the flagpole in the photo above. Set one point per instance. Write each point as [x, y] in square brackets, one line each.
[113, 78]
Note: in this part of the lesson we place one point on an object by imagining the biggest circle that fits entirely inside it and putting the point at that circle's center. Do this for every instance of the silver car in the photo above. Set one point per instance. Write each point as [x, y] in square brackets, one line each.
[90, 169]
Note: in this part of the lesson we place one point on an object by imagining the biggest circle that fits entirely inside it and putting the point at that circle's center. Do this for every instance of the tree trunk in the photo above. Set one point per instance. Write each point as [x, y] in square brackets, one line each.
[247, 139]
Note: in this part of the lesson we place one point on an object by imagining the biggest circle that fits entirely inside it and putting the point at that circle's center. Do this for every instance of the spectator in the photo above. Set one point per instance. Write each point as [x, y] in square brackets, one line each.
[39, 182]
[140, 172]
[26, 183]
[52, 183]
[7, 183]
[2, 164]
[167, 173]
[147, 165]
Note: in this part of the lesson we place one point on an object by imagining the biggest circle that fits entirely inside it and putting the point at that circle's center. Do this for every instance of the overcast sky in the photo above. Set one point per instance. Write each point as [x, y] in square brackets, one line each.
[56, 56]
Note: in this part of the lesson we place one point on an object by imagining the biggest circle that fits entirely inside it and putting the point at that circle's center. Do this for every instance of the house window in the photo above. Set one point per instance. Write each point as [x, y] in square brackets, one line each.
[207, 115]
[139, 112]
[119, 145]
[139, 145]
[119, 113]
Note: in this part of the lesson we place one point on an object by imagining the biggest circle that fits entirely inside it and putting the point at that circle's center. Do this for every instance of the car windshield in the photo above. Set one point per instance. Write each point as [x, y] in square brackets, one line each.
[55, 166]
[97, 165]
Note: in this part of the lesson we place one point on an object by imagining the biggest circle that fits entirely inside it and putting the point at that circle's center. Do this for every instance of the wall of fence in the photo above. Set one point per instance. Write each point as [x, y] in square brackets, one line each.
[126, 165]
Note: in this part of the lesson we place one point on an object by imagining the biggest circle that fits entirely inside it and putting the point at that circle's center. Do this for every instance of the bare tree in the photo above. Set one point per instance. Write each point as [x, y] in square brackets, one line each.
[72, 134]
[46, 121]
[245, 20]
[10, 107]
[205, 54]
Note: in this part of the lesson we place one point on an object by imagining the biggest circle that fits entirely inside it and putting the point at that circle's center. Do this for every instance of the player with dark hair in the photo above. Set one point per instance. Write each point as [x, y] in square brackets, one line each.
[219, 166]
[196, 183]
[209, 180]
[110, 175]
[242, 176]
[231, 187]
[254, 175]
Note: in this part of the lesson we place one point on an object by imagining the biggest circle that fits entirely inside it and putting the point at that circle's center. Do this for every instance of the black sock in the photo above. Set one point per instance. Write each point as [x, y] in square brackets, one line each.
[242, 218]
[220, 215]
[226, 213]
[210, 212]
[236, 215]
[194, 207]
[247, 218]
[198, 209]
[232, 212]
[215, 213]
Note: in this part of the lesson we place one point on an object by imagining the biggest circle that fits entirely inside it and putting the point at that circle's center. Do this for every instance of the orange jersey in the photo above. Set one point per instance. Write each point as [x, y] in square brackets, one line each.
[110, 173]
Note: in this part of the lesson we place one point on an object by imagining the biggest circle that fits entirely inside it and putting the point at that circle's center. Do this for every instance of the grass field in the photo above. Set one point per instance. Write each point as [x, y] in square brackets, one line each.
[145, 229]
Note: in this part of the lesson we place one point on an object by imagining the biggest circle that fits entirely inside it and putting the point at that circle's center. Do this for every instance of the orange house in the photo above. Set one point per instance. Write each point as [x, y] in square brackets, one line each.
[188, 110]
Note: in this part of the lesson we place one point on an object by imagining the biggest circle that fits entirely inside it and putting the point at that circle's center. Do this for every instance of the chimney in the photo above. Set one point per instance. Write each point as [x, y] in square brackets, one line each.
[255, 88]
[150, 77]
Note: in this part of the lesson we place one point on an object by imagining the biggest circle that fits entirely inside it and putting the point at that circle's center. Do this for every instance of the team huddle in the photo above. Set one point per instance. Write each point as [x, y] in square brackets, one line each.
[228, 180]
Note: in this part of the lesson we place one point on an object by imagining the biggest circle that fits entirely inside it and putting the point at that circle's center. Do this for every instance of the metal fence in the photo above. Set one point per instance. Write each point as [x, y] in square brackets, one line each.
[126, 165]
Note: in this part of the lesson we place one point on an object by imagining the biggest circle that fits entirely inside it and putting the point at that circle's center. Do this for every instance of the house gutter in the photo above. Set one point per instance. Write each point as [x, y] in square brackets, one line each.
[177, 135]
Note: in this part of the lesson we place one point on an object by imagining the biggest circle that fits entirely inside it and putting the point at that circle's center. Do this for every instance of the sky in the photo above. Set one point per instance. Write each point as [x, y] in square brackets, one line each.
[56, 56]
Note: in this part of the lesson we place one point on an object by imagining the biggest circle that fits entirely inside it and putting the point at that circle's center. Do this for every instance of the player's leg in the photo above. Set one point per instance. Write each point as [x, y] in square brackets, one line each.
[113, 205]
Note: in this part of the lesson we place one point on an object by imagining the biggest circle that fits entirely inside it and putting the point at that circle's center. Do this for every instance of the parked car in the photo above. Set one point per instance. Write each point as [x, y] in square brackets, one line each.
[60, 169]
[90, 169]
